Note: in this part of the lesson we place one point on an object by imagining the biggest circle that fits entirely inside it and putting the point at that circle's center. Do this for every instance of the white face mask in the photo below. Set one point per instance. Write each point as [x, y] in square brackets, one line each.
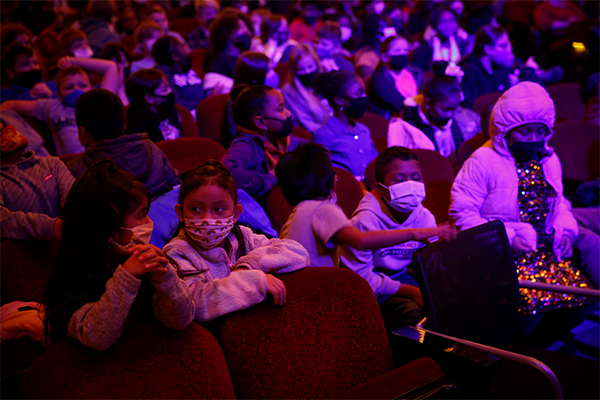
[209, 233]
[406, 196]
[140, 234]
[85, 52]
[378, 7]
[272, 79]
[346, 33]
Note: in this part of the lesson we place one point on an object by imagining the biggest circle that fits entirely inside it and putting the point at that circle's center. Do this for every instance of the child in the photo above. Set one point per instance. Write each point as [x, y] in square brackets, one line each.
[348, 141]
[74, 43]
[34, 190]
[173, 59]
[275, 37]
[329, 48]
[515, 177]
[97, 23]
[106, 271]
[226, 266]
[59, 113]
[152, 109]
[307, 109]
[264, 128]
[394, 80]
[159, 17]
[146, 34]
[435, 120]
[117, 53]
[307, 181]
[25, 76]
[395, 203]
[206, 11]
[101, 123]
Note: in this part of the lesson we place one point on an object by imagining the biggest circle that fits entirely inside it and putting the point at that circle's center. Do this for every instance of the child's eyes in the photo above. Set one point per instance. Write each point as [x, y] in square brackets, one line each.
[196, 209]
[219, 209]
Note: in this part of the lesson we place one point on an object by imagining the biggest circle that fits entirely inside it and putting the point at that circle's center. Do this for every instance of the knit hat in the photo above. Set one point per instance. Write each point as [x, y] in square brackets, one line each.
[11, 140]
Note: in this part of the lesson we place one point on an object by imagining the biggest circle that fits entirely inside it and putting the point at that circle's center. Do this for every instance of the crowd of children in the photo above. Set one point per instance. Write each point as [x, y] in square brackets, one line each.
[110, 91]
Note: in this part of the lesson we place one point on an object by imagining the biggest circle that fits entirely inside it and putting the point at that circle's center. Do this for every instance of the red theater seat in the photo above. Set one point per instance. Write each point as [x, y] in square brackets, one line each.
[148, 361]
[198, 61]
[378, 127]
[567, 101]
[283, 70]
[571, 141]
[188, 125]
[187, 153]
[209, 116]
[484, 100]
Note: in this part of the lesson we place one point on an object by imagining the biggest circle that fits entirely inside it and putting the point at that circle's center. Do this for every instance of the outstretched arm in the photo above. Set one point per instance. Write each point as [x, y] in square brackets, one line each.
[107, 68]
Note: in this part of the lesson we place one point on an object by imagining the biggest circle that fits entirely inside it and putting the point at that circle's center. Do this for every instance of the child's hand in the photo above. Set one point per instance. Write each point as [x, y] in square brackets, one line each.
[565, 248]
[277, 289]
[145, 258]
[65, 62]
[444, 231]
[520, 245]
[531, 63]
[40, 90]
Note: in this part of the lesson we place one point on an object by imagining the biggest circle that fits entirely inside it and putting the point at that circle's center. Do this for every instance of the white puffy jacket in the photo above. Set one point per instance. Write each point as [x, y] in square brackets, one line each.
[486, 187]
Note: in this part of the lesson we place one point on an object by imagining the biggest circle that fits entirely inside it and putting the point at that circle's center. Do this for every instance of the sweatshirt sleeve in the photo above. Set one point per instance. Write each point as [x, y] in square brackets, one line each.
[20, 225]
[238, 160]
[216, 297]
[276, 256]
[385, 88]
[173, 303]
[98, 325]
[468, 194]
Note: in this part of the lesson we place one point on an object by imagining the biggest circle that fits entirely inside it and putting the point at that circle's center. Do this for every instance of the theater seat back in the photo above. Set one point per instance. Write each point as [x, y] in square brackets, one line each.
[187, 153]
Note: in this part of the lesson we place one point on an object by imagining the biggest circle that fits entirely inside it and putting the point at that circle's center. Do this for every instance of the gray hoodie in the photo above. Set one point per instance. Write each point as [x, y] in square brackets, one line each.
[383, 268]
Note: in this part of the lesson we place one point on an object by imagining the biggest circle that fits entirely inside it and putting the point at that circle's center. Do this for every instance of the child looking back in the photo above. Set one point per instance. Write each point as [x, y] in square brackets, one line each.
[106, 270]
[307, 181]
[226, 266]
[395, 203]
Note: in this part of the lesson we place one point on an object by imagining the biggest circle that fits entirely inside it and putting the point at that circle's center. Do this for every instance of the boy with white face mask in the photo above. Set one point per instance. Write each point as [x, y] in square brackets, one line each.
[394, 204]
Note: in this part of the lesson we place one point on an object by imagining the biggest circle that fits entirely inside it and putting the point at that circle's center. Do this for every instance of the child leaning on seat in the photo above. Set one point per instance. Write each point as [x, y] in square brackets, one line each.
[226, 266]
[307, 181]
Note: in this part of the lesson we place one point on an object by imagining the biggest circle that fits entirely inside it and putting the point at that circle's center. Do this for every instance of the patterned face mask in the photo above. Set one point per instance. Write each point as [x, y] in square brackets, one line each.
[209, 233]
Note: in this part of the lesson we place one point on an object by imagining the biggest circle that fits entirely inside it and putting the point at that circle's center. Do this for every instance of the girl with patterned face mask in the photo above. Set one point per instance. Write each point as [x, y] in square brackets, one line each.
[226, 266]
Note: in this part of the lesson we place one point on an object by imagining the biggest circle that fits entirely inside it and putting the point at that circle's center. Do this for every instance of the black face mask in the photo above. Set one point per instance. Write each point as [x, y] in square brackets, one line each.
[399, 62]
[357, 107]
[242, 42]
[166, 105]
[437, 120]
[310, 20]
[307, 79]
[525, 151]
[287, 126]
[28, 79]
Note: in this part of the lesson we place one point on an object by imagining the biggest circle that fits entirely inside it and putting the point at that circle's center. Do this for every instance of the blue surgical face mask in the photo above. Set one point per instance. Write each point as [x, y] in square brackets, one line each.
[71, 99]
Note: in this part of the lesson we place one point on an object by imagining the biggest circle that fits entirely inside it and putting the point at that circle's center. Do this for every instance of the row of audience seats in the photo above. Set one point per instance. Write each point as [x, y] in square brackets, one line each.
[328, 341]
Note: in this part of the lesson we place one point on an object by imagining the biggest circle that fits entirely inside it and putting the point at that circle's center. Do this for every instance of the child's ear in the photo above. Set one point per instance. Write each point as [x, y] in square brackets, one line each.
[338, 100]
[259, 123]
[179, 212]
[385, 58]
[237, 211]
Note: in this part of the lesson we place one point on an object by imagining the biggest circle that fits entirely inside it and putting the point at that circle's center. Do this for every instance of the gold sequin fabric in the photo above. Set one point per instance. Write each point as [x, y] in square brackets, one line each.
[542, 265]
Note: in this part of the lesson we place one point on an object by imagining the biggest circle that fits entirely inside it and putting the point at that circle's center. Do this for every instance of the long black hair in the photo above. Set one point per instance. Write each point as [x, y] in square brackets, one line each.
[95, 209]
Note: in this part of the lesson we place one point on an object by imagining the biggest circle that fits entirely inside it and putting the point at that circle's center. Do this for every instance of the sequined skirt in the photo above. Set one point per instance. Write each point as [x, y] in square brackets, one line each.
[543, 267]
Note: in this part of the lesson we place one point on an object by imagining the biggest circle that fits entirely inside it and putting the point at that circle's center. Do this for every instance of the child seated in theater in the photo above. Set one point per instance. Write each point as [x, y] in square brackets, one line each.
[348, 141]
[158, 15]
[329, 48]
[25, 77]
[308, 181]
[395, 79]
[264, 129]
[72, 81]
[173, 59]
[434, 119]
[146, 34]
[101, 125]
[74, 43]
[106, 271]
[226, 266]
[515, 177]
[34, 190]
[152, 109]
[395, 203]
